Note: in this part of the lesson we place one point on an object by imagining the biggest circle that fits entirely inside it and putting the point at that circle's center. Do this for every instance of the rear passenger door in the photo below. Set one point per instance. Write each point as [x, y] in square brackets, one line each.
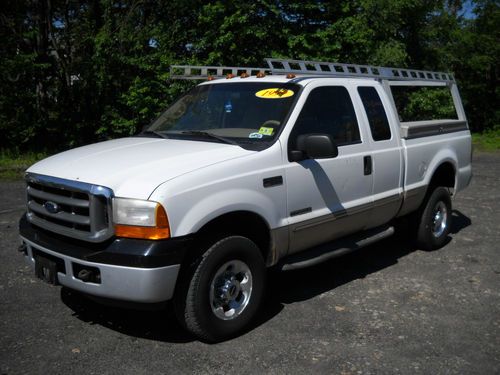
[386, 154]
[328, 198]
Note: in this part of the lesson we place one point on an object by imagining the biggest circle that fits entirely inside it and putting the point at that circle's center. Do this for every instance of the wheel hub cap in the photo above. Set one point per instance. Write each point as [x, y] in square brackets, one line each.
[230, 290]
[440, 219]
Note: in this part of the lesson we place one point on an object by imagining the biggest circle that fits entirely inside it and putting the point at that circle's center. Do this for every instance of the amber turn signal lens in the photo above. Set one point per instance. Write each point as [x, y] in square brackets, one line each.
[161, 217]
[145, 233]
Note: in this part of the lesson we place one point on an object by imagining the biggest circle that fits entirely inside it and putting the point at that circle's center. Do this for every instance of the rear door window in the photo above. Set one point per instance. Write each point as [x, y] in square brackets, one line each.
[377, 118]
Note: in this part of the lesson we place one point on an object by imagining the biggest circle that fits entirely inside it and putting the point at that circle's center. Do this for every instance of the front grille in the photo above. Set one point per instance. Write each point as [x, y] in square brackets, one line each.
[70, 208]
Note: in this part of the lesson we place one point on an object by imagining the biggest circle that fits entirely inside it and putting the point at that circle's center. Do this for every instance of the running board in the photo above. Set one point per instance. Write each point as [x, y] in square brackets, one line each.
[336, 248]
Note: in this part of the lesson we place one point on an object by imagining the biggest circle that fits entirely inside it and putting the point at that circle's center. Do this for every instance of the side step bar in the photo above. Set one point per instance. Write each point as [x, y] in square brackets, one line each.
[334, 249]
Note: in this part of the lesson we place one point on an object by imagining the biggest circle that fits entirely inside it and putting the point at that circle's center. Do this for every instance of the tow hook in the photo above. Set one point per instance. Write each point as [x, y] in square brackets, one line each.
[84, 275]
[87, 274]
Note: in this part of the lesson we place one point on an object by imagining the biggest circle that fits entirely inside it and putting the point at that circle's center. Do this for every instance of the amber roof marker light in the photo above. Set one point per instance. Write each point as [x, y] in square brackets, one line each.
[229, 75]
[244, 75]
[290, 76]
[261, 75]
[210, 78]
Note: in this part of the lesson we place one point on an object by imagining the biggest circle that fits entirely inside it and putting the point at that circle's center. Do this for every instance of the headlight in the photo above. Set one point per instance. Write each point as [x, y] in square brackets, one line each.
[135, 218]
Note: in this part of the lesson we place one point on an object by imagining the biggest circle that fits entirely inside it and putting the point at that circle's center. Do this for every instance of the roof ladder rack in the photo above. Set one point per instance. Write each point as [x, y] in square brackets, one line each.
[304, 67]
[203, 72]
[312, 68]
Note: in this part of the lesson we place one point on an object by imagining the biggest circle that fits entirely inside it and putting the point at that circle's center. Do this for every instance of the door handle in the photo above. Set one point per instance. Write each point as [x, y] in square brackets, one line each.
[367, 165]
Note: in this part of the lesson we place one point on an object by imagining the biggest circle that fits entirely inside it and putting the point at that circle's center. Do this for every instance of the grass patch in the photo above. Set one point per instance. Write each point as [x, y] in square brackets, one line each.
[13, 165]
[488, 141]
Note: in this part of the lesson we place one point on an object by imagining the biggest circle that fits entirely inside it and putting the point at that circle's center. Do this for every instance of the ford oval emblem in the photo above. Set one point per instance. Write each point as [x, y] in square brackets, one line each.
[51, 207]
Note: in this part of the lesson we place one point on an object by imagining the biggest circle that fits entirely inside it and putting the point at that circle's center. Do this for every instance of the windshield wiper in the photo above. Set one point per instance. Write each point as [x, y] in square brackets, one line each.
[210, 135]
[158, 134]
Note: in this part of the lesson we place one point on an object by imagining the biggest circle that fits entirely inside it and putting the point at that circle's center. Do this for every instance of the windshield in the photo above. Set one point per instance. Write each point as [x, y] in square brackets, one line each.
[235, 112]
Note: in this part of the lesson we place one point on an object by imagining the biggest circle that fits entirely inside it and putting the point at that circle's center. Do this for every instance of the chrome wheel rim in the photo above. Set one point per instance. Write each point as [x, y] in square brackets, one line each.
[439, 219]
[230, 290]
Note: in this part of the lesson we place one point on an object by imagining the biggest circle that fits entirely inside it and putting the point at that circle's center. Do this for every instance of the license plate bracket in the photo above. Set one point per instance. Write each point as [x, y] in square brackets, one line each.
[46, 269]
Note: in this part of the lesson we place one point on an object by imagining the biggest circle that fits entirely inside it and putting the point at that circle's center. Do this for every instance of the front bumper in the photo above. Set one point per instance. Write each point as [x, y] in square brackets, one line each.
[130, 270]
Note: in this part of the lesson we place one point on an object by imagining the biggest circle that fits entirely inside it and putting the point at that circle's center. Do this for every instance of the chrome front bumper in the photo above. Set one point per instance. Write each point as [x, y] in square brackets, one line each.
[144, 285]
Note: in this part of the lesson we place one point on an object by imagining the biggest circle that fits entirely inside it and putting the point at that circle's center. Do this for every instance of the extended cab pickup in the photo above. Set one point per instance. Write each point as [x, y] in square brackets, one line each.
[243, 173]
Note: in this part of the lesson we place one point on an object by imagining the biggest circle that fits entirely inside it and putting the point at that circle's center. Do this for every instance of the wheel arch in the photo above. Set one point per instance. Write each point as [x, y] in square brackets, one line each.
[445, 174]
[243, 223]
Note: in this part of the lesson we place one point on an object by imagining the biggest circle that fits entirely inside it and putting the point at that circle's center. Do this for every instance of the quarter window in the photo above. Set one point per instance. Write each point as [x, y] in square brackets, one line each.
[328, 110]
[377, 118]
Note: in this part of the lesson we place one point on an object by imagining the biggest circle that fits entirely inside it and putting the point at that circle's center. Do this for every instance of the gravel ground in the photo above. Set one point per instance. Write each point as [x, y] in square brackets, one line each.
[389, 308]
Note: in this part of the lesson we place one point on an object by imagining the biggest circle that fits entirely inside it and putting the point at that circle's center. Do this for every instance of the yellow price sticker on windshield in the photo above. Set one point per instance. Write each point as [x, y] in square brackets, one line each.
[266, 131]
[274, 93]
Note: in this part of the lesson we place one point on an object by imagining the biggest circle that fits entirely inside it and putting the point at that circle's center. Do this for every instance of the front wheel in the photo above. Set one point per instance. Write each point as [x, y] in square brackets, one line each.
[224, 291]
[434, 220]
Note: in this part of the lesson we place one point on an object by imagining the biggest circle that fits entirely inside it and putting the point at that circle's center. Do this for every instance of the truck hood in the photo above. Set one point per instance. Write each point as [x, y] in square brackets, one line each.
[134, 167]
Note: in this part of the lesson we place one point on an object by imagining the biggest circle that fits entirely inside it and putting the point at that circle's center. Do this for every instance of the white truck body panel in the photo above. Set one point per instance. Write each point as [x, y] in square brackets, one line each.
[235, 185]
[134, 167]
[424, 155]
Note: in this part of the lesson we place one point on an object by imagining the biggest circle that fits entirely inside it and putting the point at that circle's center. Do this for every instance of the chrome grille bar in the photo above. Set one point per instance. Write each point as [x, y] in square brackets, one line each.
[64, 216]
[57, 198]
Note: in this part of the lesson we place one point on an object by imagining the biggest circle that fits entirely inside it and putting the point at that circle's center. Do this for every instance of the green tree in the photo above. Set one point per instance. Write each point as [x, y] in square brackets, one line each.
[76, 72]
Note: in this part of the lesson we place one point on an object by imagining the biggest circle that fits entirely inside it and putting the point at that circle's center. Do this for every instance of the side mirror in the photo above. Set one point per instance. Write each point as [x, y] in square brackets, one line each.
[314, 146]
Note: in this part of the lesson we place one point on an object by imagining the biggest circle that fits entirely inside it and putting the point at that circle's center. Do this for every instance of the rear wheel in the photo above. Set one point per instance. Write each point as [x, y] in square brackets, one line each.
[224, 290]
[434, 220]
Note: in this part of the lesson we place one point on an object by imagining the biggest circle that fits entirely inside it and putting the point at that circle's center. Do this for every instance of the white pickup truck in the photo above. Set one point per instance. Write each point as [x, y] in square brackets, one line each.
[297, 164]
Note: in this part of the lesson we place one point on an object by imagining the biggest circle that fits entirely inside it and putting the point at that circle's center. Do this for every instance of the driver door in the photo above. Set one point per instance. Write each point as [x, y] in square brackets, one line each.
[328, 198]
